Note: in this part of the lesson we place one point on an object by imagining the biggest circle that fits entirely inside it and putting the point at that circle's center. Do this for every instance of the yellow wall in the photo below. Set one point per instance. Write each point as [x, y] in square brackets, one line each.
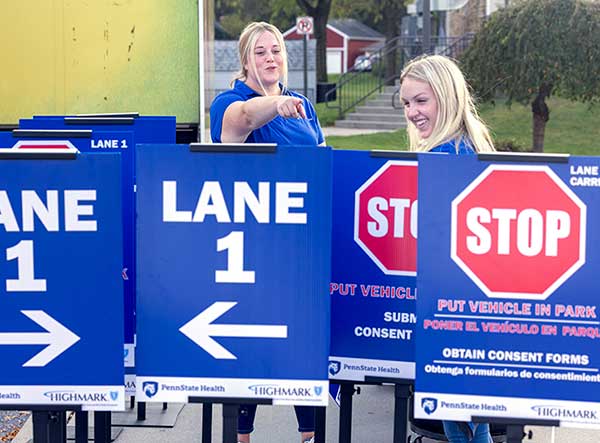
[87, 56]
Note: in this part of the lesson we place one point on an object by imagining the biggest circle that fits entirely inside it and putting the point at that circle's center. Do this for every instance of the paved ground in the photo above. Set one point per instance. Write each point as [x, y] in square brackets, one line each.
[372, 423]
[10, 424]
[333, 130]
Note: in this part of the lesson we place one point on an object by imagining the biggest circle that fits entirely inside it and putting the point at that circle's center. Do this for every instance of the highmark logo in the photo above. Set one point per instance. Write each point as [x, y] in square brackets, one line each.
[334, 367]
[429, 405]
[114, 395]
[77, 397]
[281, 391]
[318, 390]
[555, 411]
[150, 388]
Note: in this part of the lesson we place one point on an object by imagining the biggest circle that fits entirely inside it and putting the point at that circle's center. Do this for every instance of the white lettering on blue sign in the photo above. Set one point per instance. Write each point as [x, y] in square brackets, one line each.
[211, 202]
[48, 213]
[109, 144]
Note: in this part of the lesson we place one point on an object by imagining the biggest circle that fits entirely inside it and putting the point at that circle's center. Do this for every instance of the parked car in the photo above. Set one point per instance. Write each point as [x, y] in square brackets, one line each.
[362, 63]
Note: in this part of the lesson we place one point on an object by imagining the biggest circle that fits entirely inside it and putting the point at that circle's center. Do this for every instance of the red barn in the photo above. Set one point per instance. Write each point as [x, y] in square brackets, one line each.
[347, 38]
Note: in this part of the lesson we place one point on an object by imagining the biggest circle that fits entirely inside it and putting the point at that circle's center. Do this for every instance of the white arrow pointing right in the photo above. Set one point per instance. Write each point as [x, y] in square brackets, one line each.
[201, 330]
[58, 338]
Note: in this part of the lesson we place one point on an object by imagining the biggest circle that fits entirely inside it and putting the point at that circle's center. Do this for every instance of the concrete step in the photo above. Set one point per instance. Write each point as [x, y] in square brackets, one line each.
[368, 125]
[383, 95]
[379, 101]
[387, 117]
[378, 109]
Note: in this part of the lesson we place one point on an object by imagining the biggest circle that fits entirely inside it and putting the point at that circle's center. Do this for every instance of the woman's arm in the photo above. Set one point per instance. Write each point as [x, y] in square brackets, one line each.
[243, 117]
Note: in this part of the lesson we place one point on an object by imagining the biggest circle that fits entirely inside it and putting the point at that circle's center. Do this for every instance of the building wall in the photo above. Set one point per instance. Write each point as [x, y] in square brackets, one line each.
[469, 18]
[334, 40]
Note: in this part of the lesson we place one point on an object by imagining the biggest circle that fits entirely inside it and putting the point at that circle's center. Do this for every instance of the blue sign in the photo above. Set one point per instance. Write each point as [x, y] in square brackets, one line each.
[61, 336]
[102, 141]
[373, 283]
[112, 134]
[147, 129]
[508, 289]
[6, 139]
[233, 271]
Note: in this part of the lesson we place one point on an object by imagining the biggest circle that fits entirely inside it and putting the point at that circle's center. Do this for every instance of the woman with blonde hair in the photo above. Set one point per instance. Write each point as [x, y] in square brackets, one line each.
[441, 117]
[259, 108]
[439, 108]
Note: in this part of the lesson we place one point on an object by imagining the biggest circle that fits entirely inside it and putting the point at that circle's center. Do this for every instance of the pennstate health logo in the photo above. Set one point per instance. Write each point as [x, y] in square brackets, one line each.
[150, 388]
[334, 367]
[429, 405]
[518, 231]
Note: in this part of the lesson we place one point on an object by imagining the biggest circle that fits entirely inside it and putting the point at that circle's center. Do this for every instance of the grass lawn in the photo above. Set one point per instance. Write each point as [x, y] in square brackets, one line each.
[573, 128]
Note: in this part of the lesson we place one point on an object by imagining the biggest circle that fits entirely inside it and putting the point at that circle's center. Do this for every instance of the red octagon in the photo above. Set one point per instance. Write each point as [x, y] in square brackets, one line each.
[385, 217]
[518, 231]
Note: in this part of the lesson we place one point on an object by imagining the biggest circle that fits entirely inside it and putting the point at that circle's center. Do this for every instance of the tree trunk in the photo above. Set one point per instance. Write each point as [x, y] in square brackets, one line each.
[395, 10]
[320, 15]
[541, 114]
[321, 37]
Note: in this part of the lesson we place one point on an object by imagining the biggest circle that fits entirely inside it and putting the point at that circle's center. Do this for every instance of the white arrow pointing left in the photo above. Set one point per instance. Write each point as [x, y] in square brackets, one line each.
[58, 338]
[201, 329]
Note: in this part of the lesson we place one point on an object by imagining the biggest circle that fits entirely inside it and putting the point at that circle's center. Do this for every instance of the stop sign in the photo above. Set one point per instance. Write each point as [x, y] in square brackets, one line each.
[518, 231]
[385, 217]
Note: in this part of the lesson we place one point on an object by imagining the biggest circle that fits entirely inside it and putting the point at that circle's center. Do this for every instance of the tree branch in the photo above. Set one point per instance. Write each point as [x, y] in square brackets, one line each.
[310, 9]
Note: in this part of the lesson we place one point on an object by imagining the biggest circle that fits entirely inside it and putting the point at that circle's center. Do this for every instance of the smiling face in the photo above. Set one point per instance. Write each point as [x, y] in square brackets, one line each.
[420, 105]
[264, 65]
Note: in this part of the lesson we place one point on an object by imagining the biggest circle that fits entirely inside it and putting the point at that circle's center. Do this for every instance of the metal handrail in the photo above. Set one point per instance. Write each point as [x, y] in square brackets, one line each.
[356, 86]
[453, 50]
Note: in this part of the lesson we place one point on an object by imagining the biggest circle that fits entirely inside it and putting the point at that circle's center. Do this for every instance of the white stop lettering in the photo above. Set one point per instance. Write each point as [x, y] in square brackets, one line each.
[535, 232]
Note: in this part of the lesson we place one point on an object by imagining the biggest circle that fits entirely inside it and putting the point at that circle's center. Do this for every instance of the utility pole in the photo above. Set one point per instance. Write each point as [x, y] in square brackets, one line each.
[426, 26]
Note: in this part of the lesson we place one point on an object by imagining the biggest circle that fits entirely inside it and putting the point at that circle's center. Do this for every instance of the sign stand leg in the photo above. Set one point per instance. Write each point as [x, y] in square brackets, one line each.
[230, 415]
[514, 433]
[401, 396]
[81, 427]
[102, 432]
[141, 410]
[346, 393]
[50, 426]
[206, 422]
[515, 428]
[321, 424]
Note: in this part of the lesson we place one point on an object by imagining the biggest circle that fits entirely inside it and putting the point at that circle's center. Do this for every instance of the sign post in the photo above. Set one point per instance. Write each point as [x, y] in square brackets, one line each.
[507, 313]
[305, 28]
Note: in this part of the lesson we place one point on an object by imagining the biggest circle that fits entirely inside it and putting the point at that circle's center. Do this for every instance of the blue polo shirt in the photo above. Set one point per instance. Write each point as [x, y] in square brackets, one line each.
[452, 147]
[283, 131]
